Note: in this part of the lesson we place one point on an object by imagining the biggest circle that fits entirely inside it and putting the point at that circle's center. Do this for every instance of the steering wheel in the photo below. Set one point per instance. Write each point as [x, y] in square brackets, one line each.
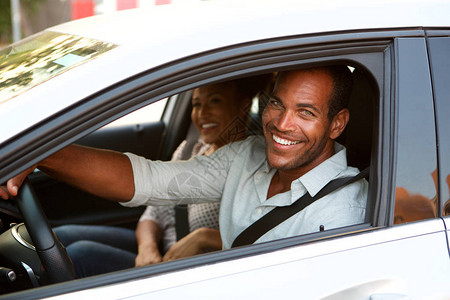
[52, 254]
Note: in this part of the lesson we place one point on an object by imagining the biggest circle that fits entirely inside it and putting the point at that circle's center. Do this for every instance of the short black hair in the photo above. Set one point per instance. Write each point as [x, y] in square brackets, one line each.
[342, 89]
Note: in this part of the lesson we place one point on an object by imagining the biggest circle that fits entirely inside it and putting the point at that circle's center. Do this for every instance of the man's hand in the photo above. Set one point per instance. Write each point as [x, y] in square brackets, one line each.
[148, 255]
[12, 186]
[199, 241]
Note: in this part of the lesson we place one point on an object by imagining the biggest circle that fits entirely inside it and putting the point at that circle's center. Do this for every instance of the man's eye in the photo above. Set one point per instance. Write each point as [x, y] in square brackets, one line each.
[274, 102]
[196, 104]
[307, 113]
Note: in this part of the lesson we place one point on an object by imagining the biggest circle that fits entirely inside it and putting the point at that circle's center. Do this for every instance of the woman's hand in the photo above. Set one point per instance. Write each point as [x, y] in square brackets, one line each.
[199, 241]
[147, 255]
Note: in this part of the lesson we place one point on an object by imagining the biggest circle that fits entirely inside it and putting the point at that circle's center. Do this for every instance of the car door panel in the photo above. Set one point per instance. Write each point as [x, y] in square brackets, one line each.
[357, 266]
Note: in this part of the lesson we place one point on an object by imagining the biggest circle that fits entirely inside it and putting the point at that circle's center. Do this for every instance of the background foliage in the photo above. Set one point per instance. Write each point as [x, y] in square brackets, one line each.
[29, 6]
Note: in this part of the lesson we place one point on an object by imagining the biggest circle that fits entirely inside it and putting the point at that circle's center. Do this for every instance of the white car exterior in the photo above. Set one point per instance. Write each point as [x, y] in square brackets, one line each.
[342, 268]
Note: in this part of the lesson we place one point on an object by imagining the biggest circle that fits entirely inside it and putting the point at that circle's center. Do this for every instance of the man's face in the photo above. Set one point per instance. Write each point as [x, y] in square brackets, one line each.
[296, 127]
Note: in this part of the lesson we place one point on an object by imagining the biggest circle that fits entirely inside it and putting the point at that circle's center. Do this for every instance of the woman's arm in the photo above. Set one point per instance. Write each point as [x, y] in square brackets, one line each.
[148, 236]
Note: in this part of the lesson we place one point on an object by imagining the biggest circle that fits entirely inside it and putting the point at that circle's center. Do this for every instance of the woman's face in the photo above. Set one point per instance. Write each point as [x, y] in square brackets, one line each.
[217, 114]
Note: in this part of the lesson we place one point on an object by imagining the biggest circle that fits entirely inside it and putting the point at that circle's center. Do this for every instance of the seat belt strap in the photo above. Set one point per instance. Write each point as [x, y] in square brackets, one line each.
[279, 214]
[181, 221]
[181, 210]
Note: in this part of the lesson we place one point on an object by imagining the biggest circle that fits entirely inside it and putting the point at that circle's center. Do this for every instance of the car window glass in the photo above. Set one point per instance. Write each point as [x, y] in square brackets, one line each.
[147, 114]
[440, 66]
[415, 193]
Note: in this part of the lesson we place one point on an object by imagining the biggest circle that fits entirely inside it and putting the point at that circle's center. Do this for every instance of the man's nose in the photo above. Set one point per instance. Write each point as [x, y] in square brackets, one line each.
[285, 121]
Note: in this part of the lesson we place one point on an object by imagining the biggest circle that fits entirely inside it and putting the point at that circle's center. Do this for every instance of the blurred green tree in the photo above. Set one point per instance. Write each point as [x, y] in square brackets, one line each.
[5, 17]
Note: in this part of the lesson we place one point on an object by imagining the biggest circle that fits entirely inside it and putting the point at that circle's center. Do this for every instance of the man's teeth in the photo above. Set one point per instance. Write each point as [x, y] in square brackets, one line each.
[209, 125]
[283, 141]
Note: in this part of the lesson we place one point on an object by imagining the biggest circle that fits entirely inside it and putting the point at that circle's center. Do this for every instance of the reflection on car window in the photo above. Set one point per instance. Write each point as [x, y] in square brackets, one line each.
[440, 66]
[415, 195]
[41, 57]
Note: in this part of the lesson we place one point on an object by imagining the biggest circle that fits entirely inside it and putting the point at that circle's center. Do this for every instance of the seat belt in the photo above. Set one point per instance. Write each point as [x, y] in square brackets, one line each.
[181, 210]
[181, 221]
[279, 214]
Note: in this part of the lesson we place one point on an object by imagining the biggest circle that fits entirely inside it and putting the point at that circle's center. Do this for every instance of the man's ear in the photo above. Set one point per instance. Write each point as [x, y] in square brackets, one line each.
[338, 123]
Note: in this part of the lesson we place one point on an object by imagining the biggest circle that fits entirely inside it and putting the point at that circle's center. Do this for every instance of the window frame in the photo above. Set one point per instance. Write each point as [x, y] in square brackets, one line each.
[410, 58]
[438, 66]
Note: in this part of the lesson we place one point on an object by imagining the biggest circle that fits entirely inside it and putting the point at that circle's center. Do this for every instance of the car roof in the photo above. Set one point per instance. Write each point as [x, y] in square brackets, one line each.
[151, 37]
[242, 21]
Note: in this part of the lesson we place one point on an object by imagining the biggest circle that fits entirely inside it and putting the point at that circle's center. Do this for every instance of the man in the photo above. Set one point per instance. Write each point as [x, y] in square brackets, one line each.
[304, 115]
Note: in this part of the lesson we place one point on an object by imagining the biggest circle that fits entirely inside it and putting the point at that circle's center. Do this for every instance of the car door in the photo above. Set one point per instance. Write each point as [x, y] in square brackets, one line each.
[401, 256]
[406, 258]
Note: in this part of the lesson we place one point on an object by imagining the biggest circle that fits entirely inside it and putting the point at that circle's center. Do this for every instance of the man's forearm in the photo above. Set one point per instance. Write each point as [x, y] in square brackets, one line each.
[104, 173]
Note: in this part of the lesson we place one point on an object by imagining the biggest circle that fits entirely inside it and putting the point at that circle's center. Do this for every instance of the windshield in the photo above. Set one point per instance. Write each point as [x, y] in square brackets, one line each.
[40, 57]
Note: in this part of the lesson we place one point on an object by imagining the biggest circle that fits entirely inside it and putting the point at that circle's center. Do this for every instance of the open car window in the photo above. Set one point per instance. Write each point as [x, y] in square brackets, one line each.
[142, 116]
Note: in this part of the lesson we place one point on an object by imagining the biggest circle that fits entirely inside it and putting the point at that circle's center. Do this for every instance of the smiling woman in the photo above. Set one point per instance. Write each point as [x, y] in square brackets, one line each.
[220, 112]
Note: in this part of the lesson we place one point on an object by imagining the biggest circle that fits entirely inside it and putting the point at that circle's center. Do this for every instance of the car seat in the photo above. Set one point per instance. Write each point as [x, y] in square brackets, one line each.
[357, 137]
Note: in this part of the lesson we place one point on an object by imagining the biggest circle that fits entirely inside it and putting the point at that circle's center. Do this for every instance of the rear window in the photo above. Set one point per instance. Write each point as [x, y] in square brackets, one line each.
[40, 57]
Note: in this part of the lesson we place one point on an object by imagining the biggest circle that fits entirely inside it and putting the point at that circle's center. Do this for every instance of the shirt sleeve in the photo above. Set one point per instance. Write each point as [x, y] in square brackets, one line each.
[198, 180]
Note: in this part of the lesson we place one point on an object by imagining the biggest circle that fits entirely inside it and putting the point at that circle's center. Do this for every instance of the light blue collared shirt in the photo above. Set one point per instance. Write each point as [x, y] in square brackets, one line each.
[239, 176]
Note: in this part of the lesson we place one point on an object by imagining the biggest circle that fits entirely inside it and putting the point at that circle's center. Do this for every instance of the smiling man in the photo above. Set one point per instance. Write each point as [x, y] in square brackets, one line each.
[305, 113]
[303, 117]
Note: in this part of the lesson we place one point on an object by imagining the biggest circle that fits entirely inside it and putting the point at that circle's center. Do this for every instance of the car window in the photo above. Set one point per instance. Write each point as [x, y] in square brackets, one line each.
[147, 114]
[440, 66]
[415, 192]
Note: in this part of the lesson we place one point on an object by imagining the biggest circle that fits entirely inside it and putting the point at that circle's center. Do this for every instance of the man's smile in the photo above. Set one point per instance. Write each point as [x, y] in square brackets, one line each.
[283, 141]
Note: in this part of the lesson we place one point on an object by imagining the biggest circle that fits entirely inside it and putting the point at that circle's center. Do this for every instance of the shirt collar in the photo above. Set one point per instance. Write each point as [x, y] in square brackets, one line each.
[318, 177]
[311, 182]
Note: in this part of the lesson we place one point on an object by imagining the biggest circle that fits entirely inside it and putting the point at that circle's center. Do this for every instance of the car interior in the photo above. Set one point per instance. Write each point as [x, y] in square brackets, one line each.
[157, 140]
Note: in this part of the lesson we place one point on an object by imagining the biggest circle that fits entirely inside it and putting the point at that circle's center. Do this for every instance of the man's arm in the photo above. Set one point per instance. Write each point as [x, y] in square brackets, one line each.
[148, 236]
[104, 173]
